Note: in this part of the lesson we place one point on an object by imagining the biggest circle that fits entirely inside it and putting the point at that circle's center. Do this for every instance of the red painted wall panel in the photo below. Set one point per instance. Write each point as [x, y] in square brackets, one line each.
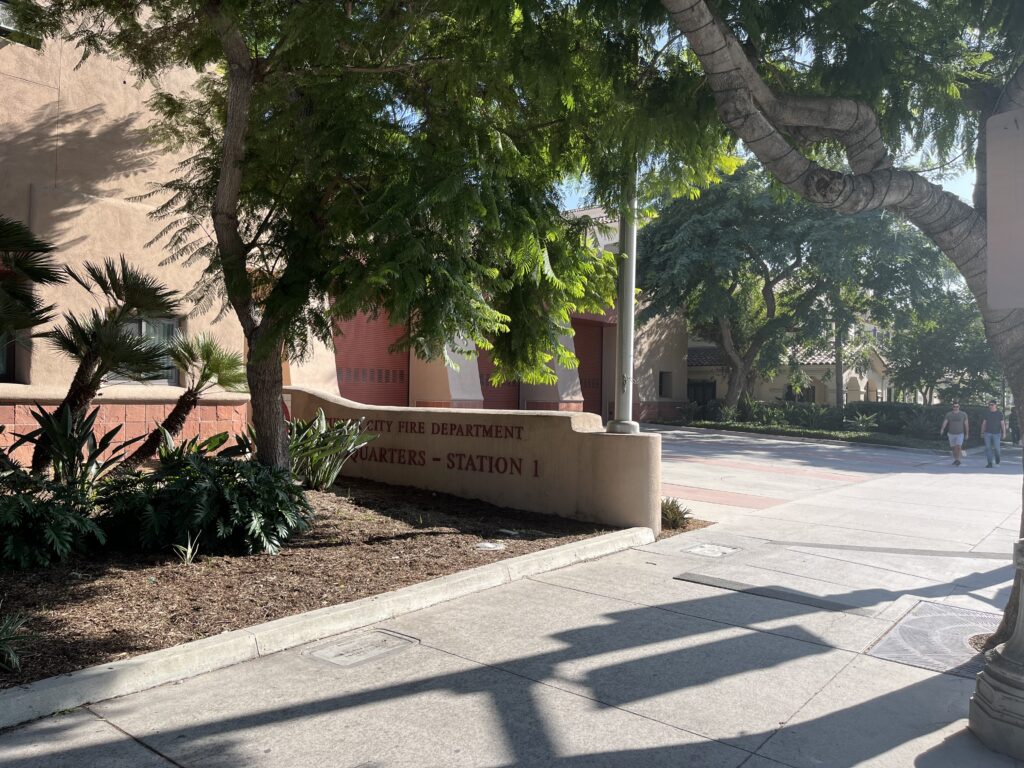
[505, 397]
[589, 344]
[367, 371]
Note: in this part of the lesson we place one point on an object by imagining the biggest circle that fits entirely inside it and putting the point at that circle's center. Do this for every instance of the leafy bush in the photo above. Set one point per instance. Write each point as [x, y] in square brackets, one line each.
[812, 415]
[12, 639]
[730, 413]
[79, 460]
[864, 421]
[42, 522]
[919, 422]
[673, 514]
[235, 505]
[319, 449]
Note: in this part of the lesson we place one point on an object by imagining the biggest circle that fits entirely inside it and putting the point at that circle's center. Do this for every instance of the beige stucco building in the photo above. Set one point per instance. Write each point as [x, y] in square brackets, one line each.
[708, 378]
[74, 161]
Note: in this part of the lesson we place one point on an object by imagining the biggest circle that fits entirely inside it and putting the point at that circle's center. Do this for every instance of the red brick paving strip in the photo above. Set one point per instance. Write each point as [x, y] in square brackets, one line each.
[691, 493]
[775, 469]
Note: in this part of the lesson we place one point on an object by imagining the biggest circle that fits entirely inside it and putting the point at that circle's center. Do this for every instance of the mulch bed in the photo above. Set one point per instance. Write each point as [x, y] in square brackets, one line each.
[368, 538]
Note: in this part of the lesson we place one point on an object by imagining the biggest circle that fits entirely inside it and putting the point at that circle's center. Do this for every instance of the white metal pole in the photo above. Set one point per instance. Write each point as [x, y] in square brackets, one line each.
[623, 423]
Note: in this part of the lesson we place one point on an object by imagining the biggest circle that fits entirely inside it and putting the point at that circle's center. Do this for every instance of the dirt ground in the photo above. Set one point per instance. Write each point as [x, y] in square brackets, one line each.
[367, 538]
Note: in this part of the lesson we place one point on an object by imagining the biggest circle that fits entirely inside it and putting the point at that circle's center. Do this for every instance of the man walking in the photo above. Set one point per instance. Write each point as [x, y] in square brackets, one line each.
[956, 421]
[993, 432]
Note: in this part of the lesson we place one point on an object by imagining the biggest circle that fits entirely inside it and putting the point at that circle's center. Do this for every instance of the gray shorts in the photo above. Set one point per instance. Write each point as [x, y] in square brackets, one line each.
[955, 440]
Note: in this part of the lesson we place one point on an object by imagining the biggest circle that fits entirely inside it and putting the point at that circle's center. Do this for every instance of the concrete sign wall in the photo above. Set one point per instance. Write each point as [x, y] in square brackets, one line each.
[1005, 134]
[550, 462]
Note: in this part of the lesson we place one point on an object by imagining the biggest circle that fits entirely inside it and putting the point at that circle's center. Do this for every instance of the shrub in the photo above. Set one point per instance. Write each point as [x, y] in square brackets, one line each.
[919, 422]
[234, 505]
[812, 416]
[12, 639]
[864, 421]
[319, 449]
[673, 514]
[78, 459]
[42, 522]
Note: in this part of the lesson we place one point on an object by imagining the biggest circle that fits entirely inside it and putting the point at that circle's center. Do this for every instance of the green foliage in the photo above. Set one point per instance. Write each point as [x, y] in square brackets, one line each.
[924, 67]
[864, 421]
[25, 262]
[187, 552]
[673, 514]
[12, 640]
[79, 458]
[42, 522]
[205, 363]
[872, 438]
[941, 349]
[234, 505]
[760, 275]
[319, 449]
[811, 415]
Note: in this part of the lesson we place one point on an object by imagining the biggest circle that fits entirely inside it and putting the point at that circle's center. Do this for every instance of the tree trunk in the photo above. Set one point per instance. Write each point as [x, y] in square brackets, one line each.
[266, 389]
[83, 389]
[174, 423]
[840, 388]
[737, 378]
[771, 125]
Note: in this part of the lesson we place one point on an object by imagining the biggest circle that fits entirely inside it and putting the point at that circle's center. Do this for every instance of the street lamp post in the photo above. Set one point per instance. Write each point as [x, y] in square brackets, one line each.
[623, 423]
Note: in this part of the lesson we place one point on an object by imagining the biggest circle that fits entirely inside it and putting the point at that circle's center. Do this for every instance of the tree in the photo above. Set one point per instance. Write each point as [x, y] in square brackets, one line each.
[205, 364]
[380, 156]
[874, 76]
[759, 273]
[941, 349]
[103, 342]
[25, 262]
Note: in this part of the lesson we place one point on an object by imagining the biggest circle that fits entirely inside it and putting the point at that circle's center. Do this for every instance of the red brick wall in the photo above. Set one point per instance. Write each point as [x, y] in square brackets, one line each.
[135, 419]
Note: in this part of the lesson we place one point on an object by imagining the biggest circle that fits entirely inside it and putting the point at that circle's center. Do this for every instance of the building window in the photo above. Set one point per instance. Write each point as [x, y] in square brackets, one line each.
[162, 330]
[700, 392]
[665, 384]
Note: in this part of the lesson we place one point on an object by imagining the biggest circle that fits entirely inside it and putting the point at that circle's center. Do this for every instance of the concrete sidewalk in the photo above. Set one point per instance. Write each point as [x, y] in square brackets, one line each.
[753, 642]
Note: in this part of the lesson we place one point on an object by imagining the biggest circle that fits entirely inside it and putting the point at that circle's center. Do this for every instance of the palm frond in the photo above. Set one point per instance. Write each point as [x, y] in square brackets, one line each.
[205, 363]
[128, 290]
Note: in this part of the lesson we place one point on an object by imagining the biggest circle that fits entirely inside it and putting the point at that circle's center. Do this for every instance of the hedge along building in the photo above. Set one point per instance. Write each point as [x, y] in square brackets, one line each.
[370, 372]
[73, 161]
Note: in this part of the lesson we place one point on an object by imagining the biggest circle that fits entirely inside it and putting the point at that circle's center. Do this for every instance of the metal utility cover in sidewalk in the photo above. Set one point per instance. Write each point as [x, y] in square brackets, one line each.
[935, 636]
[363, 647]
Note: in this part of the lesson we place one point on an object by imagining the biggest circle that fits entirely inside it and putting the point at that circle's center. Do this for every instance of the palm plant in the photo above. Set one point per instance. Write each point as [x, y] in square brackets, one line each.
[103, 342]
[25, 261]
[205, 364]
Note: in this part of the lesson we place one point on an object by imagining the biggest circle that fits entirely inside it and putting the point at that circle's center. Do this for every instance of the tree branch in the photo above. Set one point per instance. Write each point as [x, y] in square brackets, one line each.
[233, 252]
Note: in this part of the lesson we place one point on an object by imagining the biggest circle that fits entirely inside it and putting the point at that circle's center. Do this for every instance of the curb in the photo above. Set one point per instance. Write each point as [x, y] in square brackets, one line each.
[798, 439]
[119, 678]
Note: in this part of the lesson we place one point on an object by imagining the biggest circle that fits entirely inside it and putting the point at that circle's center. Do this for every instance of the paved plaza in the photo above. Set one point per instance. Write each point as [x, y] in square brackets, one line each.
[805, 629]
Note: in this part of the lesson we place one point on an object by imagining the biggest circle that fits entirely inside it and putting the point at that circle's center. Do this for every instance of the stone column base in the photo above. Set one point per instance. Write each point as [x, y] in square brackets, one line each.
[997, 707]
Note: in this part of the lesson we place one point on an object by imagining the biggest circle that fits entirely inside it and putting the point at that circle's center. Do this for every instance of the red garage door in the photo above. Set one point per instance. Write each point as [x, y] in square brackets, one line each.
[589, 349]
[505, 397]
[367, 371]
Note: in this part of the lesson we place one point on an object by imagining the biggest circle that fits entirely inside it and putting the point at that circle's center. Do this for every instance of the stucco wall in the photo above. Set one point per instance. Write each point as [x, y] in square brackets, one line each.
[72, 156]
[554, 463]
